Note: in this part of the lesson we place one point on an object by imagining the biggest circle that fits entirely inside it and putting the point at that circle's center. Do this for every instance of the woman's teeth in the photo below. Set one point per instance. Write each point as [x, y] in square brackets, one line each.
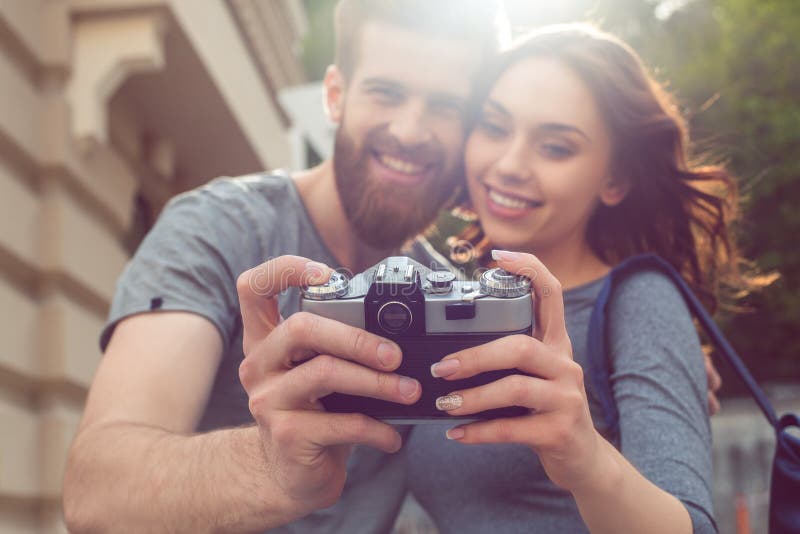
[400, 165]
[508, 202]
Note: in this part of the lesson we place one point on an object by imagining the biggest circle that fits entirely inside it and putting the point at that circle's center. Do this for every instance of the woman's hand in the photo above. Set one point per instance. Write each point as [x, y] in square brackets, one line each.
[559, 426]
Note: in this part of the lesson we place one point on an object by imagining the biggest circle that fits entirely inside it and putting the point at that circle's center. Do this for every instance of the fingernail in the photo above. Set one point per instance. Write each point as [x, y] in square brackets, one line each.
[398, 443]
[445, 367]
[388, 354]
[505, 255]
[408, 387]
[455, 433]
[449, 402]
[317, 272]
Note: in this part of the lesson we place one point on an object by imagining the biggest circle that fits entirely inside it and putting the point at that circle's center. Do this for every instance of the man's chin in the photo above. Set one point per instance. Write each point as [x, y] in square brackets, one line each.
[388, 225]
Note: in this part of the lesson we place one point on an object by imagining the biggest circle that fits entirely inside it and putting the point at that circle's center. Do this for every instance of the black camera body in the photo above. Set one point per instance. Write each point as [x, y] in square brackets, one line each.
[429, 314]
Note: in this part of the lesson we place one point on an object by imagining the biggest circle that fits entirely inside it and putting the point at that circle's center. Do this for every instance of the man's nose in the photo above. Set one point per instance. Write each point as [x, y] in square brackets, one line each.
[410, 126]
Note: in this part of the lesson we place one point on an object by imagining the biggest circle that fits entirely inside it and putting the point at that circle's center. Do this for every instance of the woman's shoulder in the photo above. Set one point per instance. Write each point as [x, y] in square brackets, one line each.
[647, 291]
[647, 305]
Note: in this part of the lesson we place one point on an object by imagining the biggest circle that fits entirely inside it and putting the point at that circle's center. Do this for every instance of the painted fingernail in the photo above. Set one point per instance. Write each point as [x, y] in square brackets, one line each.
[505, 255]
[449, 402]
[455, 433]
[317, 272]
[408, 387]
[445, 367]
[388, 354]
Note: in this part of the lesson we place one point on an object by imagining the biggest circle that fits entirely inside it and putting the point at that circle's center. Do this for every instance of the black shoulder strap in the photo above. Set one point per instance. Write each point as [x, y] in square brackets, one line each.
[598, 357]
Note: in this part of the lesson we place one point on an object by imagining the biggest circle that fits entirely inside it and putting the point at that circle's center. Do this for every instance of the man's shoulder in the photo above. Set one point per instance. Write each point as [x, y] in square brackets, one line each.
[258, 188]
[250, 202]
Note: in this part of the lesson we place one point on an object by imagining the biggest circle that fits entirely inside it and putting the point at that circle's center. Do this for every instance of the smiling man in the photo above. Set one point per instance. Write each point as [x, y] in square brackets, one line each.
[204, 413]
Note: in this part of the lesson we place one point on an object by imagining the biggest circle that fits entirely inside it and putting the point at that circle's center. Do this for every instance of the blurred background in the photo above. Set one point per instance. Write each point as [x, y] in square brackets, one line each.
[110, 107]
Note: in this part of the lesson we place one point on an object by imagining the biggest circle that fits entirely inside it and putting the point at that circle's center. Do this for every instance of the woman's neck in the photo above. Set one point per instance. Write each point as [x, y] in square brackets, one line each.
[574, 264]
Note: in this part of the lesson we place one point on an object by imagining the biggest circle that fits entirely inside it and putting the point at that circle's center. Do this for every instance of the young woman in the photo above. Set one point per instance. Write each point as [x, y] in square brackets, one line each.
[577, 160]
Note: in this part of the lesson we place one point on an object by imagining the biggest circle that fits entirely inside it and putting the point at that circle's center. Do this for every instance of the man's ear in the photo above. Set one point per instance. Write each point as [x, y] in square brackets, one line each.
[614, 191]
[334, 93]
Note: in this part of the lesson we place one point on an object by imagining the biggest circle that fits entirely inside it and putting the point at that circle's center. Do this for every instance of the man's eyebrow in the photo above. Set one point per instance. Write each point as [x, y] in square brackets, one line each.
[375, 80]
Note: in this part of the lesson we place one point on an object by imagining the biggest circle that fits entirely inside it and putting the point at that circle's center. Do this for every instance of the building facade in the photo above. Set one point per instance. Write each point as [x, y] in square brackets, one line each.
[107, 109]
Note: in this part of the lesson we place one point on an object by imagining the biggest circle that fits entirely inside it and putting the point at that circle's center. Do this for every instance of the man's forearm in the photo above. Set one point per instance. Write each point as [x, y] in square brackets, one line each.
[132, 478]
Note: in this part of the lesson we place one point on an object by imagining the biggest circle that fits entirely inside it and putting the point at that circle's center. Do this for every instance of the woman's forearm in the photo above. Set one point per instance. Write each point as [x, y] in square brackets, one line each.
[619, 499]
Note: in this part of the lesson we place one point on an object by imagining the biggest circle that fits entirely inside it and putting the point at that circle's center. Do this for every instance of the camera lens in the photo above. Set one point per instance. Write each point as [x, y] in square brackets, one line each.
[394, 317]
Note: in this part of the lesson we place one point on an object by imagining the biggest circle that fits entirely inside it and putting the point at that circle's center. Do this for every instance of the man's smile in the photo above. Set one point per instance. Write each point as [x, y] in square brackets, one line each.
[401, 170]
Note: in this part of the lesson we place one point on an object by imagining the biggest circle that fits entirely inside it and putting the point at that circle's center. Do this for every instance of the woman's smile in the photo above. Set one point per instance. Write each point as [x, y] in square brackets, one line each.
[506, 205]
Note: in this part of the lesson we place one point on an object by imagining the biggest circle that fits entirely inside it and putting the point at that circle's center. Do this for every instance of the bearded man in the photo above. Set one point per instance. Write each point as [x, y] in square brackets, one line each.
[202, 418]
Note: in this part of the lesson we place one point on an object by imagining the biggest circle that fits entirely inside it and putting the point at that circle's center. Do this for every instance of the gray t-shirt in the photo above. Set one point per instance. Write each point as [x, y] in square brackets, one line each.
[659, 384]
[190, 261]
[205, 238]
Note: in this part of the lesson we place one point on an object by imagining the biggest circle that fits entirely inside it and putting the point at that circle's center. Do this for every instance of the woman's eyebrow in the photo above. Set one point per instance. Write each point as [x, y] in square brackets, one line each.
[494, 106]
[558, 127]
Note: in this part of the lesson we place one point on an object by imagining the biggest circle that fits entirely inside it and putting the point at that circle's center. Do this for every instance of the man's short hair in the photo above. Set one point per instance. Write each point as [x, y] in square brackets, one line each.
[478, 22]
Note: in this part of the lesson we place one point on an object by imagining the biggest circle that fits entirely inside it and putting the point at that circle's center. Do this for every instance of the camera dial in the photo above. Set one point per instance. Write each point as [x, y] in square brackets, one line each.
[335, 287]
[503, 284]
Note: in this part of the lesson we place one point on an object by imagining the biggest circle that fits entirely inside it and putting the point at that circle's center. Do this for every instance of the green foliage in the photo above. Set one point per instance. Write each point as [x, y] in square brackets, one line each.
[318, 45]
[746, 53]
[735, 66]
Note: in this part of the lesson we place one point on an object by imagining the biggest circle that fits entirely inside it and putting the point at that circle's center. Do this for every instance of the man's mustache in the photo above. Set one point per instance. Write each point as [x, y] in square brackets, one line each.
[419, 153]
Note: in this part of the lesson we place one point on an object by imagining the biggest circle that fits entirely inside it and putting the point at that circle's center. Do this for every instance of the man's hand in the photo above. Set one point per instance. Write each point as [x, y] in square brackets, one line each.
[290, 364]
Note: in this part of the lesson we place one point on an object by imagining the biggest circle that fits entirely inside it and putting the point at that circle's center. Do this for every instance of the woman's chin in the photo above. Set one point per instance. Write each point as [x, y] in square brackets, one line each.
[505, 238]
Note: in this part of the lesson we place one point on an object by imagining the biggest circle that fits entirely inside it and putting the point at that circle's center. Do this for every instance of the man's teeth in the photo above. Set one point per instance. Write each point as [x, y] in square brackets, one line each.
[400, 165]
[508, 202]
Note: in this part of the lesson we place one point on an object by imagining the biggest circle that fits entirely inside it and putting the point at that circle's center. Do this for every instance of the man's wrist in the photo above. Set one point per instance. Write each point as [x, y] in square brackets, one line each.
[267, 495]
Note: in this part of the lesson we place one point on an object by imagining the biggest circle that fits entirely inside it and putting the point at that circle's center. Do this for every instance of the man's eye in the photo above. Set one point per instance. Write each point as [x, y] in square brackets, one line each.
[448, 109]
[386, 94]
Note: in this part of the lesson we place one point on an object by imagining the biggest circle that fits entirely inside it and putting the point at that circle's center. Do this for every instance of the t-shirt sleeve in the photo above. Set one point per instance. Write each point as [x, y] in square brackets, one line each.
[190, 260]
[660, 385]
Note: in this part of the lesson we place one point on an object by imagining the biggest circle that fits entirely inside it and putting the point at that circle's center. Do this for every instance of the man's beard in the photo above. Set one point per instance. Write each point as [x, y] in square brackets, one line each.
[386, 214]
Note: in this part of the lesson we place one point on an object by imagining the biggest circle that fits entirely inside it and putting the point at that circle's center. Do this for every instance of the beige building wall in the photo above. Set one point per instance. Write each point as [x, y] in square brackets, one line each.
[108, 108]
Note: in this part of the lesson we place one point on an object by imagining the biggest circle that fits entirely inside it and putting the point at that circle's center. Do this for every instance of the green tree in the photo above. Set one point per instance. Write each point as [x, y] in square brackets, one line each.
[735, 67]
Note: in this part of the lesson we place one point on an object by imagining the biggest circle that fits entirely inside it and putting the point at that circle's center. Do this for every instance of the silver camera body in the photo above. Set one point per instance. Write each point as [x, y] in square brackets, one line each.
[429, 314]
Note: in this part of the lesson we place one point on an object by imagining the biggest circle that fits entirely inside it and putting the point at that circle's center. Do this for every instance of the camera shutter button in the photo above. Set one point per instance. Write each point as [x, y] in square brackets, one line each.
[440, 281]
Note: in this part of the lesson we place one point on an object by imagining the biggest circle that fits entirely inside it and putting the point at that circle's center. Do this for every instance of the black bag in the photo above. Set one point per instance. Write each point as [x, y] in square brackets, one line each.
[784, 506]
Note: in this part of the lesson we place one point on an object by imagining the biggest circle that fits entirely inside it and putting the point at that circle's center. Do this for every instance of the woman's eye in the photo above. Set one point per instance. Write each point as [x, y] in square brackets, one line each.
[557, 151]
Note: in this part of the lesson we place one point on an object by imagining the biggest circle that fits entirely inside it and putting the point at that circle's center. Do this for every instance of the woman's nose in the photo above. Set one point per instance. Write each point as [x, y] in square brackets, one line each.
[515, 162]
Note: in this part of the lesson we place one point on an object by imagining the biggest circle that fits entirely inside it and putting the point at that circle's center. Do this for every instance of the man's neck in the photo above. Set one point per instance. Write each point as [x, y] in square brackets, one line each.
[317, 189]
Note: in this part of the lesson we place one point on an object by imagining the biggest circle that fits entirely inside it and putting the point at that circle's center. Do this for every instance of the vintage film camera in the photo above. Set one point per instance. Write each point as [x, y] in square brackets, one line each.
[429, 314]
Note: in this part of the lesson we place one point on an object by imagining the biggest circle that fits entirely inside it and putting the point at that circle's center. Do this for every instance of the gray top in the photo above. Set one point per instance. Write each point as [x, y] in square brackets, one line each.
[190, 261]
[659, 384]
[205, 238]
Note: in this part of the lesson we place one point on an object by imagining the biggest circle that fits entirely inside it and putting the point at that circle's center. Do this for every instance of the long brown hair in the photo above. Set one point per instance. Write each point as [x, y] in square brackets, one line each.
[675, 207]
